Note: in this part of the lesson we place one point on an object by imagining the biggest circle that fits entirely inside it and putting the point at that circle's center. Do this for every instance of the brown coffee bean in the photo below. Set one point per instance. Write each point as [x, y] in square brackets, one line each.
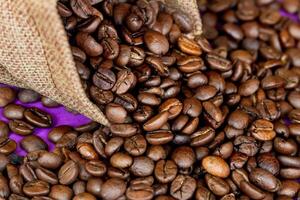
[251, 191]
[218, 63]
[213, 111]
[13, 111]
[216, 166]
[217, 185]
[288, 188]
[159, 137]
[262, 130]
[36, 188]
[156, 42]
[84, 196]
[50, 160]
[189, 46]
[95, 167]
[33, 143]
[165, 171]
[183, 187]
[93, 186]
[88, 44]
[264, 179]
[268, 162]
[60, 192]
[156, 122]
[121, 160]
[142, 166]
[113, 188]
[68, 173]
[20, 127]
[124, 130]
[46, 175]
[139, 191]
[38, 117]
[202, 137]
[115, 113]
[184, 157]
[285, 147]
[172, 106]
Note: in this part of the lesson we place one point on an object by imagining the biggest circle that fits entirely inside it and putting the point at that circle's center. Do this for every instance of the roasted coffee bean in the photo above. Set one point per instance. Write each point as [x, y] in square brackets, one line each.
[165, 171]
[13, 111]
[142, 166]
[217, 185]
[36, 188]
[60, 192]
[202, 137]
[218, 63]
[104, 79]
[115, 113]
[184, 157]
[20, 127]
[56, 133]
[68, 173]
[96, 168]
[38, 117]
[189, 46]
[268, 162]
[50, 160]
[216, 166]
[183, 187]
[159, 137]
[113, 188]
[264, 179]
[251, 191]
[28, 96]
[262, 130]
[7, 146]
[33, 143]
[124, 130]
[156, 42]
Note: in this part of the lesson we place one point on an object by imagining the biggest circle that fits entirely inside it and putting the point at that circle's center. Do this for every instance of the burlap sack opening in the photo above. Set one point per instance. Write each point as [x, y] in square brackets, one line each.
[35, 53]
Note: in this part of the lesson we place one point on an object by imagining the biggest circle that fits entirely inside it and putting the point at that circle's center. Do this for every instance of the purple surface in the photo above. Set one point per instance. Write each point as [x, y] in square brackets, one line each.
[60, 117]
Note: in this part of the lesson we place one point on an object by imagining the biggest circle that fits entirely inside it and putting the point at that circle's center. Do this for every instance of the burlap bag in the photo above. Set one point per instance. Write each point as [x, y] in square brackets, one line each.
[35, 53]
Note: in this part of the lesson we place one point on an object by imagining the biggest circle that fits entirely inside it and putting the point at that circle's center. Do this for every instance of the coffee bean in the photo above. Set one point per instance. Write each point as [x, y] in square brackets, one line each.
[36, 188]
[38, 117]
[264, 179]
[50, 160]
[189, 46]
[139, 191]
[262, 130]
[142, 166]
[20, 127]
[68, 173]
[84, 195]
[251, 191]
[217, 185]
[125, 80]
[121, 160]
[156, 122]
[28, 96]
[202, 137]
[183, 156]
[13, 111]
[183, 187]
[216, 166]
[60, 192]
[113, 188]
[33, 143]
[165, 171]
[156, 42]
[56, 133]
[124, 130]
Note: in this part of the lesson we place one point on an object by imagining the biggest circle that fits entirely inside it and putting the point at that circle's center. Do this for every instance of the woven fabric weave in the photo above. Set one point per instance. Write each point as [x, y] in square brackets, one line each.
[35, 53]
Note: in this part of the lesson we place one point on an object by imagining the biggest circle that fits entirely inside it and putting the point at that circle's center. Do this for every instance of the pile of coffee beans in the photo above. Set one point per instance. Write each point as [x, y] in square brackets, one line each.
[214, 117]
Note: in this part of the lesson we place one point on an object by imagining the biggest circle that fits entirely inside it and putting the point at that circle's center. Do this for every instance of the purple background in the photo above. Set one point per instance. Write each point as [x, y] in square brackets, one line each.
[60, 117]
